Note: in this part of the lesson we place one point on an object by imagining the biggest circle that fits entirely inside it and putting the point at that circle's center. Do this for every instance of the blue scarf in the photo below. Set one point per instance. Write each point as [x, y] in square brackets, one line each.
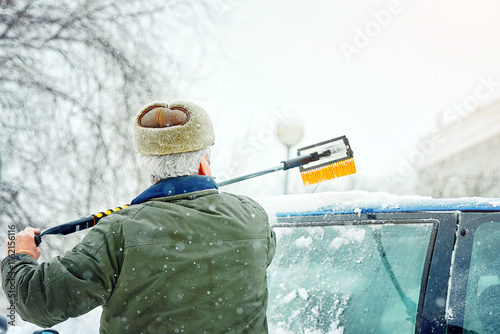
[176, 186]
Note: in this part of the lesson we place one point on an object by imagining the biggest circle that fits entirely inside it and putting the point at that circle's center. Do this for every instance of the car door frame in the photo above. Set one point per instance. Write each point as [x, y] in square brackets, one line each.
[468, 224]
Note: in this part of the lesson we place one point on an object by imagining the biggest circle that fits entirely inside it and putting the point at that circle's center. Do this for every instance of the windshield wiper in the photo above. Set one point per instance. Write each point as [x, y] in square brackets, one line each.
[411, 306]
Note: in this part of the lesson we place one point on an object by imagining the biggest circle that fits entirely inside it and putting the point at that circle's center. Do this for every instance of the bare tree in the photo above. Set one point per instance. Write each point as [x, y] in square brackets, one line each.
[72, 76]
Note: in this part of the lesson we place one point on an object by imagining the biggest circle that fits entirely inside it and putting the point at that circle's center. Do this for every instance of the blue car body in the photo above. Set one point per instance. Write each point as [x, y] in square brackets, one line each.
[385, 264]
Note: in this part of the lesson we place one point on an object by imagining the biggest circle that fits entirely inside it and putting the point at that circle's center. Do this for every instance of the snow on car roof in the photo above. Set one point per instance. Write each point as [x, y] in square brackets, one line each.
[367, 202]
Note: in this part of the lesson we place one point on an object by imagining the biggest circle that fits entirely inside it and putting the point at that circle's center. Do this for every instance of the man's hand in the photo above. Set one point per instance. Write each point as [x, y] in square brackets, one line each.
[25, 242]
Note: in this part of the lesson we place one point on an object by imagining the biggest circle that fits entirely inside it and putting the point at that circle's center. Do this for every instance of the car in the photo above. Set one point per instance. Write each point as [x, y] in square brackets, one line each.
[360, 262]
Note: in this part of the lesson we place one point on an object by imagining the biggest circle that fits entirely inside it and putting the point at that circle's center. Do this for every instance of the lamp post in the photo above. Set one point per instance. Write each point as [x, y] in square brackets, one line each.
[290, 133]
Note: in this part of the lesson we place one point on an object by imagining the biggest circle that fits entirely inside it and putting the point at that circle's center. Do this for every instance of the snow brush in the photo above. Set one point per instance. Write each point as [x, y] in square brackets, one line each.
[319, 162]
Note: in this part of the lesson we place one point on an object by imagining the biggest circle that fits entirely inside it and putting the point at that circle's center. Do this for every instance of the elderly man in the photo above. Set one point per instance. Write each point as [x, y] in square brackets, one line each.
[183, 258]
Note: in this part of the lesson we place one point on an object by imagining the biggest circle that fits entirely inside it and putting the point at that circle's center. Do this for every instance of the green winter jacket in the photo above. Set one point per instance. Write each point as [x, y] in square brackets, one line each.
[191, 263]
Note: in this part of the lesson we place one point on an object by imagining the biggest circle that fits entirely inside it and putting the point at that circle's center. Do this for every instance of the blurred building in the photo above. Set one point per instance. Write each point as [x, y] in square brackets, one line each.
[463, 158]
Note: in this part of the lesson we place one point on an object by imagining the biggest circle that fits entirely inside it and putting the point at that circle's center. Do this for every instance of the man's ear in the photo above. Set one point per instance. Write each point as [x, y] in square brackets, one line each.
[205, 167]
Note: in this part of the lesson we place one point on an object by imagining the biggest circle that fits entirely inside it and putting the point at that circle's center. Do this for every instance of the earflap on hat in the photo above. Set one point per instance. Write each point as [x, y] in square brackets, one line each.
[161, 128]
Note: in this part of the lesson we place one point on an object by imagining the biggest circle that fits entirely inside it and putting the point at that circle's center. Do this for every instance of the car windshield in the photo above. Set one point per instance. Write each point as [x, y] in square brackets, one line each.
[347, 279]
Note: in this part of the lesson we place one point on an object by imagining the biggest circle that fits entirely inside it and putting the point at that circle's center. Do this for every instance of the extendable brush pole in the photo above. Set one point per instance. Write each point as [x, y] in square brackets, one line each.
[319, 162]
[90, 221]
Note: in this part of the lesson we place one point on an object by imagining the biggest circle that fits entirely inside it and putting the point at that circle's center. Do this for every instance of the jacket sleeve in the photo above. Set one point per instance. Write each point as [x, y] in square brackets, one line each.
[271, 246]
[271, 235]
[51, 292]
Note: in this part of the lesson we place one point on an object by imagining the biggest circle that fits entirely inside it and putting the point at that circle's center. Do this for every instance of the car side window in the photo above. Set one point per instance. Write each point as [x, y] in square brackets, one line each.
[347, 278]
[482, 310]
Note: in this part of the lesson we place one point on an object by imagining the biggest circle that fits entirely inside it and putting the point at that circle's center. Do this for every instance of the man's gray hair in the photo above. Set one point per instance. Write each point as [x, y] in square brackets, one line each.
[159, 167]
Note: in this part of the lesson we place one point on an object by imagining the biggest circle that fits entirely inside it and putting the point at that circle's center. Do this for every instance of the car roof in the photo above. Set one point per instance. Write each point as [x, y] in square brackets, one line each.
[358, 202]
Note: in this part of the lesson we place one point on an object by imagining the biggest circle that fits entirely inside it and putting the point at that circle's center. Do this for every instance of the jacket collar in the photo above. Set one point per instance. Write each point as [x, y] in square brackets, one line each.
[176, 186]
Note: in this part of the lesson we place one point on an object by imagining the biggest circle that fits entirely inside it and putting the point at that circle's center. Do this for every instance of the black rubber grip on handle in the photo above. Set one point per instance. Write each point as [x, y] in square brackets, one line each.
[300, 161]
[76, 225]
[38, 239]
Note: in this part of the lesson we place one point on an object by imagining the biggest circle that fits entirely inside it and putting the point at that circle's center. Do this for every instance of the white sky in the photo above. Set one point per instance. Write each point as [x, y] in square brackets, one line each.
[270, 57]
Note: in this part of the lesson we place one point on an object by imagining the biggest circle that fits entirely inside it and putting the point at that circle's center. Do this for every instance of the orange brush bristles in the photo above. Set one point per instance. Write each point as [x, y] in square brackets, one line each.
[323, 173]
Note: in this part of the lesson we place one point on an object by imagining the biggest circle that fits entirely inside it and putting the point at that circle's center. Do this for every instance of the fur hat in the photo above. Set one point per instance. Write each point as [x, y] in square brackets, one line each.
[161, 128]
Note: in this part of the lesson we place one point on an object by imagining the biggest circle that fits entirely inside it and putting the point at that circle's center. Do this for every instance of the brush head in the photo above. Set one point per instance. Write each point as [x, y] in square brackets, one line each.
[336, 160]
